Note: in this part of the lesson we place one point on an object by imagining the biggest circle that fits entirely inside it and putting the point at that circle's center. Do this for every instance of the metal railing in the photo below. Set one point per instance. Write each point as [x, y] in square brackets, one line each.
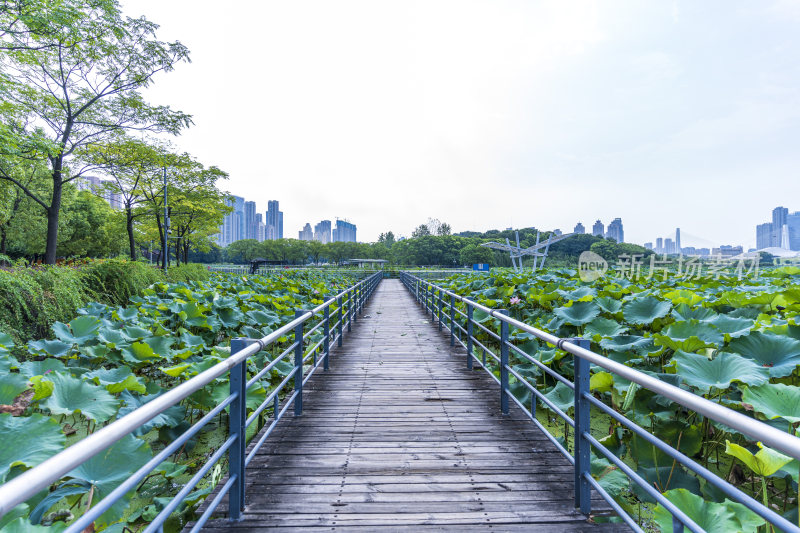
[307, 356]
[456, 314]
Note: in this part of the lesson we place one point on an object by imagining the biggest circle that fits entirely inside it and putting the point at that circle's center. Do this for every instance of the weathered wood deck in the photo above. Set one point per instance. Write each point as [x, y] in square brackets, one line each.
[398, 435]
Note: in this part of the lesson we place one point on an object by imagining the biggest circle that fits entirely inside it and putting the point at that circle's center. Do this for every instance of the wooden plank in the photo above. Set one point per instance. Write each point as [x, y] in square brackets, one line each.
[399, 435]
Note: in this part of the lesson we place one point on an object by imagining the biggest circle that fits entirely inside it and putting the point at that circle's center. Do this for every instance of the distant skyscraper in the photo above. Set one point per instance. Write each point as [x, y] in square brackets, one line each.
[598, 230]
[344, 232]
[579, 229]
[615, 230]
[250, 225]
[306, 234]
[322, 231]
[764, 235]
[274, 221]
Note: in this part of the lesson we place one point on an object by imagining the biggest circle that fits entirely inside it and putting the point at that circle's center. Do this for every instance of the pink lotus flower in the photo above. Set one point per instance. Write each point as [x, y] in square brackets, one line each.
[514, 300]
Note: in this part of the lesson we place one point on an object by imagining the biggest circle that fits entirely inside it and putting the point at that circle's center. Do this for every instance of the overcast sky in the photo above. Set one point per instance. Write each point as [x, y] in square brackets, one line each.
[495, 114]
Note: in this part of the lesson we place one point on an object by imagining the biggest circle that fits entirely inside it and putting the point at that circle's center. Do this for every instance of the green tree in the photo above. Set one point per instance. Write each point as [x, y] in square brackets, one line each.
[74, 85]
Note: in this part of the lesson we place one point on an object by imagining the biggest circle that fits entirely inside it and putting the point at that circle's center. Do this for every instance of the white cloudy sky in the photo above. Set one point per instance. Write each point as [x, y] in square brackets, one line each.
[490, 114]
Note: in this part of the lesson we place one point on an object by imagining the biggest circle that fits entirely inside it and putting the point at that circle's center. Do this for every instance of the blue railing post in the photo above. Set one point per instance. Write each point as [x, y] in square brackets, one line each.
[341, 320]
[440, 309]
[327, 332]
[298, 364]
[503, 364]
[582, 426]
[452, 320]
[469, 336]
[238, 412]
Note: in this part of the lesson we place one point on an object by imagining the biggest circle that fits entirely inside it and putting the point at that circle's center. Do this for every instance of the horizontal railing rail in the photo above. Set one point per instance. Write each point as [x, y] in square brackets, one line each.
[309, 348]
[443, 306]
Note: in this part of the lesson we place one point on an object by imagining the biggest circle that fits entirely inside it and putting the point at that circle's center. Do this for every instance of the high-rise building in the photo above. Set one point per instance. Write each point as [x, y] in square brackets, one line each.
[322, 232]
[764, 235]
[659, 245]
[250, 225]
[344, 231]
[793, 226]
[306, 234]
[274, 221]
[579, 229]
[598, 230]
[615, 230]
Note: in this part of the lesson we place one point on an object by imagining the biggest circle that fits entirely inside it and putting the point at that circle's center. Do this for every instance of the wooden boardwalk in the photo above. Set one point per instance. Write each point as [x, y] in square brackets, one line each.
[398, 435]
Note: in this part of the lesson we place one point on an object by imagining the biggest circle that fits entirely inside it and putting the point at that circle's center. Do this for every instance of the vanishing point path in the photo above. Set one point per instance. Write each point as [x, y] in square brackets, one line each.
[399, 435]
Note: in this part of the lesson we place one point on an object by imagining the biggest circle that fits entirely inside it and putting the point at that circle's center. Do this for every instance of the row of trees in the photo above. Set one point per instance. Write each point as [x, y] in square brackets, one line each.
[71, 75]
[426, 250]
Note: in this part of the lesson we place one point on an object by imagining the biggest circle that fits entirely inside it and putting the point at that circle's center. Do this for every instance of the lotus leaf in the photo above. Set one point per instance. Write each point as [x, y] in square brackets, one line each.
[19, 432]
[11, 385]
[765, 462]
[72, 395]
[645, 310]
[689, 336]
[774, 400]
[578, 314]
[702, 373]
[604, 327]
[627, 343]
[779, 354]
[79, 330]
[609, 305]
[561, 396]
[116, 379]
[710, 516]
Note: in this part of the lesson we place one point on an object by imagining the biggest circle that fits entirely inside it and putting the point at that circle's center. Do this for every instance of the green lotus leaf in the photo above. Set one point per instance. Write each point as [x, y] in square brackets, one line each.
[116, 379]
[172, 416]
[627, 343]
[108, 469]
[686, 312]
[78, 331]
[689, 336]
[710, 516]
[779, 354]
[733, 327]
[644, 311]
[702, 373]
[581, 294]
[609, 305]
[774, 400]
[39, 368]
[561, 396]
[6, 343]
[71, 395]
[609, 476]
[18, 434]
[125, 314]
[604, 327]
[52, 348]
[578, 314]
[11, 385]
[765, 462]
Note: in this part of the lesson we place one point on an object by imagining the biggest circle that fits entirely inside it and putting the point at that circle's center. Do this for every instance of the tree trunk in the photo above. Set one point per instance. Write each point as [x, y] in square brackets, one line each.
[129, 226]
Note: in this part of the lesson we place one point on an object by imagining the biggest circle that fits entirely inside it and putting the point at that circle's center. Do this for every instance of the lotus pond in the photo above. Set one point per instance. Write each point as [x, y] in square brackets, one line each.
[733, 341]
[111, 360]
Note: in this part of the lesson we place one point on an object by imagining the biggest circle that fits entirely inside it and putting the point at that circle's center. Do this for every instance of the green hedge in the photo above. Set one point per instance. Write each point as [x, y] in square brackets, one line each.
[33, 298]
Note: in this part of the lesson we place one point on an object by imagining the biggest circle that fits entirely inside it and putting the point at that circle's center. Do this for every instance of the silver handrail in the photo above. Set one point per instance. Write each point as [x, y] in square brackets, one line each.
[768, 435]
[30, 482]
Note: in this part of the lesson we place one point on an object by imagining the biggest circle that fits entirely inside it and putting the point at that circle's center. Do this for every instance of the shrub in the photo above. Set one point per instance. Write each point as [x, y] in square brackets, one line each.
[188, 272]
[116, 280]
